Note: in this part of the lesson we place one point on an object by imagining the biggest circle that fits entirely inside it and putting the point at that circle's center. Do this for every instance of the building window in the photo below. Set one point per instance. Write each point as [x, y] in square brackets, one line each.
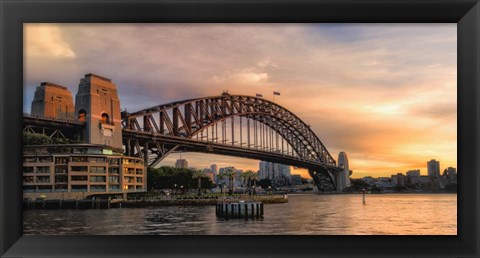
[98, 188]
[44, 159]
[113, 161]
[43, 179]
[128, 170]
[61, 188]
[61, 169]
[79, 168]
[79, 188]
[28, 179]
[113, 179]
[97, 170]
[79, 159]
[61, 179]
[105, 119]
[82, 116]
[61, 160]
[79, 178]
[96, 160]
[97, 179]
[43, 170]
[113, 170]
[29, 159]
[114, 188]
[139, 172]
[127, 161]
[27, 170]
[139, 180]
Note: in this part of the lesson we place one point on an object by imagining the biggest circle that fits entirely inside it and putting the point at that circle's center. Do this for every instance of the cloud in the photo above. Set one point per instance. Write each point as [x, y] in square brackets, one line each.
[44, 40]
[384, 93]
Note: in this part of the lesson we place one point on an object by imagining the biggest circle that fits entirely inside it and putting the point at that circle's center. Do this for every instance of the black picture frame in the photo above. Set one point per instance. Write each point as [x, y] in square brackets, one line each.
[466, 13]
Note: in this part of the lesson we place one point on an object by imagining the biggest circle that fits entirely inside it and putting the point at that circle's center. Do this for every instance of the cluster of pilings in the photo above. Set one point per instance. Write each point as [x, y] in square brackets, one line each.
[69, 204]
[239, 210]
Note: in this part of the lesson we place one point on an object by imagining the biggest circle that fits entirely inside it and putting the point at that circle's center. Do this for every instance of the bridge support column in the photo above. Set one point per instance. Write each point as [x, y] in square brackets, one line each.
[145, 154]
[127, 148]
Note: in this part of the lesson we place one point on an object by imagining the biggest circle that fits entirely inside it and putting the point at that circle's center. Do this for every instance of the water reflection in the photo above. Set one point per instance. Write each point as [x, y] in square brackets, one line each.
[403, 214]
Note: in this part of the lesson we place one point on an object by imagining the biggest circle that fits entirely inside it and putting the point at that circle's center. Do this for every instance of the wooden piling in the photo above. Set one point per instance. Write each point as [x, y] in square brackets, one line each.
[239, 210]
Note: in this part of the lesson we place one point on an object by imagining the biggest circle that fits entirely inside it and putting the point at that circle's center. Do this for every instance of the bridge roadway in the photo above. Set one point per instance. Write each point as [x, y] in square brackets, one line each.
[189, 144]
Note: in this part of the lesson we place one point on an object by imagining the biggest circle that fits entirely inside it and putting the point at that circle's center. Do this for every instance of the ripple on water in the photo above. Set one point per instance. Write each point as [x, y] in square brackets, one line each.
[386, 214]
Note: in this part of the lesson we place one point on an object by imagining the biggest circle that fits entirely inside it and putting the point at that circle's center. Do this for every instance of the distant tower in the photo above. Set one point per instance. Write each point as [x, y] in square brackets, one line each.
[433, 168]
[342, 178]
[97, 105]
[214, 169]
[53, 101]
[181, 163]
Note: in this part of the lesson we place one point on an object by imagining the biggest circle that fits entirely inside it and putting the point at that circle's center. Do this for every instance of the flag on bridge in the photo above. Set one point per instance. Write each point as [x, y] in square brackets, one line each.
[276, 93]
[259, 95]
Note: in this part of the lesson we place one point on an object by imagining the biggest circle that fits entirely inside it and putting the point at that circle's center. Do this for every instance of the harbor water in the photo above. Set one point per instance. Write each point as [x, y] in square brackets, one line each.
[382, 214]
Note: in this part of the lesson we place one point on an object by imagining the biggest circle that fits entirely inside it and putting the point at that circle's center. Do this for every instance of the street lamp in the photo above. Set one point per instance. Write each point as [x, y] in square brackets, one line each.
[224, 186]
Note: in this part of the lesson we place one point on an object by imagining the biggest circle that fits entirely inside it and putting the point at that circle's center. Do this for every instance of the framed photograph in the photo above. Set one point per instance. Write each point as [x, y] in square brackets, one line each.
[262, 129]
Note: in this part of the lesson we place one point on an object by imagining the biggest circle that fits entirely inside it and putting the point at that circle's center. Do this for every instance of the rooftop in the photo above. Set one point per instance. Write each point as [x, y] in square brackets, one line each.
[98, 76]
[53, 85]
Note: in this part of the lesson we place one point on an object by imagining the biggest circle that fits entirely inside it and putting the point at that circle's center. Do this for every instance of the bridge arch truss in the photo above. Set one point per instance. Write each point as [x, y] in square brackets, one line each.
[236, 125]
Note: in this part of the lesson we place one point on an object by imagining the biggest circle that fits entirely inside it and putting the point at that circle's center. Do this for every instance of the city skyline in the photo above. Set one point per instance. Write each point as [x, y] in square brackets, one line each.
[386, 94]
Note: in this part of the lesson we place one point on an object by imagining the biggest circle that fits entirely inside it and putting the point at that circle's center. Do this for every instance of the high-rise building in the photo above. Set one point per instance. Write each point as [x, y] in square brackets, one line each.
[278, 174]
[433, 168]
[342, 178]
[214, 169]
[181, 163]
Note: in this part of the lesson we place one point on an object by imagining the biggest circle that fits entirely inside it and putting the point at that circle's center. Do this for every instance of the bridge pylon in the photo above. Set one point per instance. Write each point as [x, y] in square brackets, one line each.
[97, 104]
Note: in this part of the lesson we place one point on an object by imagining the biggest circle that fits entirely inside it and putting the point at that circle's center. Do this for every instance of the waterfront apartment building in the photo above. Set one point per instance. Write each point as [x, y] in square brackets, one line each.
[81, 168]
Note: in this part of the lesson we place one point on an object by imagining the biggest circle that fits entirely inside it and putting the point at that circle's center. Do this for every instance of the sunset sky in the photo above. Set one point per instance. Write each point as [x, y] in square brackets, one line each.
[383, 93]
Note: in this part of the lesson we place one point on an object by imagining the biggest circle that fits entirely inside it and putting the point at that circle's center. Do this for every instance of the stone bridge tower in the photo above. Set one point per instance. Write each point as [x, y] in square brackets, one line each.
[53, 101]
[342, 177]
[97, 105]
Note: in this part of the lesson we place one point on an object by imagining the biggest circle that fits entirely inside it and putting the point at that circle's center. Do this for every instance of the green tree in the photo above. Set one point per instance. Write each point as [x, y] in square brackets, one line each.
[220, 177]
[249, 176]
[359, 184]
[41, 139]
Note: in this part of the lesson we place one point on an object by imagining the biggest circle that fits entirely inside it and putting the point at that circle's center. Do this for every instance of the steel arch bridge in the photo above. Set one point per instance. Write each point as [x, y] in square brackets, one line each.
[235, 125]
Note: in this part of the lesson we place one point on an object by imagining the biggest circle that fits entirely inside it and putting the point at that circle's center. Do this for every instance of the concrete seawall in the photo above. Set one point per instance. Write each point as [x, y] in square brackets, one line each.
[145, 202]
[140, 203]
